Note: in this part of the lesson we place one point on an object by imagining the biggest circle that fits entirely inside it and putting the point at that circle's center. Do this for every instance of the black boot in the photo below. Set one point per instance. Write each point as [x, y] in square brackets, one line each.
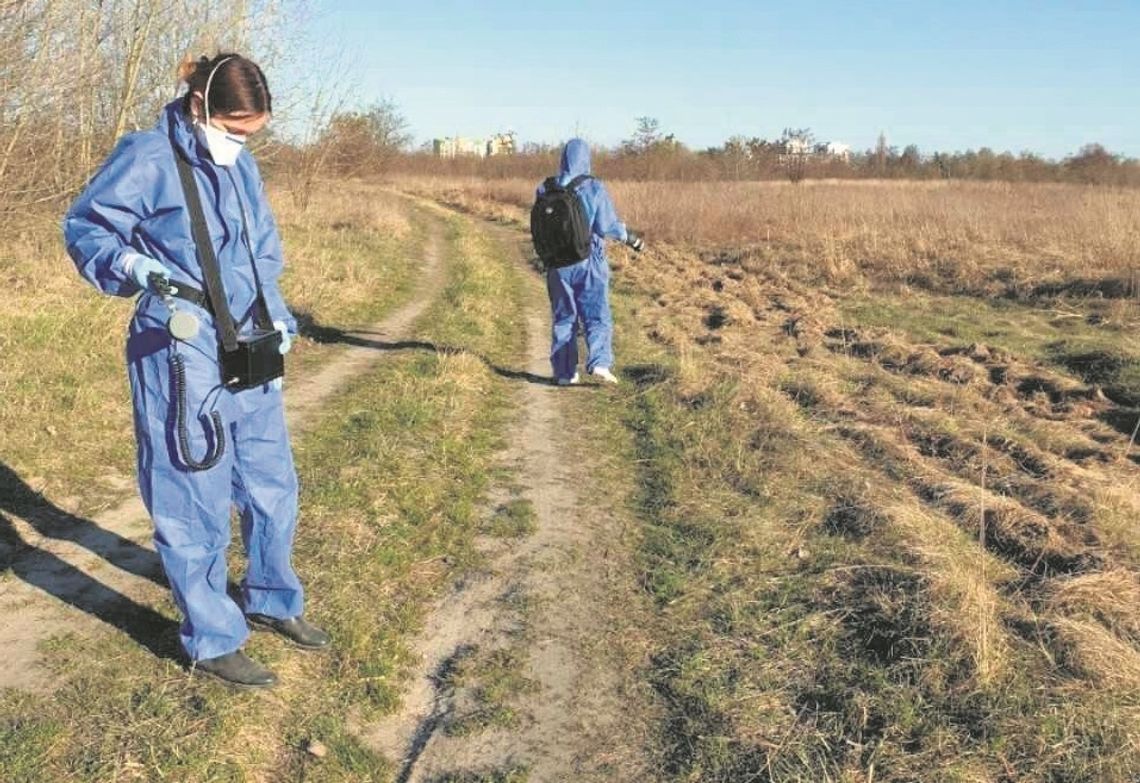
[238, 669]
[295, 629]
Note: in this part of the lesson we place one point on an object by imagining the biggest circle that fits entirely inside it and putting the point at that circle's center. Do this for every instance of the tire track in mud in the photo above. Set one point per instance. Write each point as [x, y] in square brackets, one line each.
[66, 572]
[577, 722]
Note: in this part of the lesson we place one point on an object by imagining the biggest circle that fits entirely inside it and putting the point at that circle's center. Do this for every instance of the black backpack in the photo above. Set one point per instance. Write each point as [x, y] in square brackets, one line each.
[559, 225]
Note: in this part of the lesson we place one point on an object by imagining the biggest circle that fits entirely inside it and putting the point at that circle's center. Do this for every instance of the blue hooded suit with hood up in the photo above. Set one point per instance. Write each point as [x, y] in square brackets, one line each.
[581, 291]
[135, 204]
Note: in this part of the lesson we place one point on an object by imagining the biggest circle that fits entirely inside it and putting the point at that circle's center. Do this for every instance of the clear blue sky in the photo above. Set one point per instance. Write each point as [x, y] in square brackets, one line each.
[1046, 76]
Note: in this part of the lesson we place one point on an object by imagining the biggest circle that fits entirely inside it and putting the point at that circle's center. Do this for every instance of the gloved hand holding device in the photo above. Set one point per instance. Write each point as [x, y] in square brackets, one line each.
[635, 241]
[139, 268]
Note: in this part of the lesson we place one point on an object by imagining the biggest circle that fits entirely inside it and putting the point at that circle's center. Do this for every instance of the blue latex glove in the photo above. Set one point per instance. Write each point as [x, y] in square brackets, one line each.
[286, 340]
[139, 268]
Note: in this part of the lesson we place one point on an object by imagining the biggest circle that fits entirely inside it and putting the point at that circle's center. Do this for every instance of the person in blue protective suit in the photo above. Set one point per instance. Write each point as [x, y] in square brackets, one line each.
[580, 292]
[130, 231]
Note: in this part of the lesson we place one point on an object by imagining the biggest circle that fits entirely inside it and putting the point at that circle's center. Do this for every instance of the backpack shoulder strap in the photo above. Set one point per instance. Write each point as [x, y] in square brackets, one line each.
[578, 180]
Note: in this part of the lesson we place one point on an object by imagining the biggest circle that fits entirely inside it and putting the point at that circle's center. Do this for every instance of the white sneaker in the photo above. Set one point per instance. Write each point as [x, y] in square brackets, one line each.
[605, 374]
[568, 381]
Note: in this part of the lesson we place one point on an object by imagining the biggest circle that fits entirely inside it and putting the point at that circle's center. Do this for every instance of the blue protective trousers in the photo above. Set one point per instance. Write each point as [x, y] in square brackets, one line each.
[191, 510]
[580, 292]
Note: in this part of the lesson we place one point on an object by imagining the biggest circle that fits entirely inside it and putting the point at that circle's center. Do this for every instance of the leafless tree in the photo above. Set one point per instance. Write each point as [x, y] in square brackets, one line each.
[76, 75]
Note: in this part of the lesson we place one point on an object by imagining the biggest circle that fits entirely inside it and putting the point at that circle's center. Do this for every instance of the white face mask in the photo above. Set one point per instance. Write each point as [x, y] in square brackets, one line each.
[224, 147]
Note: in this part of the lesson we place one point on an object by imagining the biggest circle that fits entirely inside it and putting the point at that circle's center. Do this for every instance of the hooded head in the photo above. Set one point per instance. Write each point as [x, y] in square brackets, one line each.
[575, 159]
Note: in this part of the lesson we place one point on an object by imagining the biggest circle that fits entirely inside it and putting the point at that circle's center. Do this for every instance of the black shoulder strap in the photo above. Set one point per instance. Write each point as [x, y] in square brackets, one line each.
[215, 289]
[578, 180]
[261, 317]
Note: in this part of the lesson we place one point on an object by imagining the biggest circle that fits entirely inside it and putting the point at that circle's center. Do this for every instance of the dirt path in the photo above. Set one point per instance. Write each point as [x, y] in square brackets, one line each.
[73, 573]
[546, 598]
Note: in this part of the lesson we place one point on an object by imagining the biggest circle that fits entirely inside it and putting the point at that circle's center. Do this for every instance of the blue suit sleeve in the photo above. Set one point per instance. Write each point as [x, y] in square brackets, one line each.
[100, 225]
[270, 256]
[606, 223]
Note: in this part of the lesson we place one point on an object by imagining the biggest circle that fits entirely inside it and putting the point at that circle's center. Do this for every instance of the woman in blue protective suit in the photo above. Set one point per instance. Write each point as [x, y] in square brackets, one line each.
[131, 231]
[580, 292]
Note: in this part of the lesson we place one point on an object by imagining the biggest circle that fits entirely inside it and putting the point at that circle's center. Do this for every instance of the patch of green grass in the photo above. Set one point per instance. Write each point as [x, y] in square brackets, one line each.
[514, 519]
[25, 746]
[345, 757]
[485, 683]
[514, 774]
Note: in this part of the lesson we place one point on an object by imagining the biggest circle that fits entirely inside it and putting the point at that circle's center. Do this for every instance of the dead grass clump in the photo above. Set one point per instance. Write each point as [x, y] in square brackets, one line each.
[924, 361]
[1013, 531]
[960, 370]
[887, 613]
[939, 443]
[961, 579]
[815, 393]
[854, 518]
[1112, 597]
[1096, 652]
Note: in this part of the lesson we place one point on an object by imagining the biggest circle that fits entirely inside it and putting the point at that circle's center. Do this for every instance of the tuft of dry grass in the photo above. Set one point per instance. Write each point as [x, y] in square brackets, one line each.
[1093, 650]
[1111, 596]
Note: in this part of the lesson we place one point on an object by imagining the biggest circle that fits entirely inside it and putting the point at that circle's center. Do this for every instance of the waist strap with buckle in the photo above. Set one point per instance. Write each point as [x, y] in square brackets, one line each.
[192, 295]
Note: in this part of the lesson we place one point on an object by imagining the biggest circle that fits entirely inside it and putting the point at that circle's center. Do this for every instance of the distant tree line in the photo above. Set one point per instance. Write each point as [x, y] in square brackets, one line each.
[652, 154]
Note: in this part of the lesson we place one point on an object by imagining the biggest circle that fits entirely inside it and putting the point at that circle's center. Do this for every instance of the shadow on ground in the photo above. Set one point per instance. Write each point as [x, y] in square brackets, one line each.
[363, 338]
[48, 572]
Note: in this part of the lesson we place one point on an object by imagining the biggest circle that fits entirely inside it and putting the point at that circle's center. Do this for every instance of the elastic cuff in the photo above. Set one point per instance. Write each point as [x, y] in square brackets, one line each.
[128, 260]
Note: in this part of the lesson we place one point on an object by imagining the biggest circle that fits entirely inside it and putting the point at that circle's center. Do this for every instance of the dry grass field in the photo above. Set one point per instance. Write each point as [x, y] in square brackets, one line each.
[969, 236]
[890, 506]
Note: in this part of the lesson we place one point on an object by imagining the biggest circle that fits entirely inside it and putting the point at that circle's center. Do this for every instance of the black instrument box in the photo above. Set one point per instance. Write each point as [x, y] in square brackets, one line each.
[256, 361]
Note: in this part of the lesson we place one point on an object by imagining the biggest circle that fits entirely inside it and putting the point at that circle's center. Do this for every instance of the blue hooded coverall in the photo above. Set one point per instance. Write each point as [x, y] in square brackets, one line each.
[135, 204]
[581, 290]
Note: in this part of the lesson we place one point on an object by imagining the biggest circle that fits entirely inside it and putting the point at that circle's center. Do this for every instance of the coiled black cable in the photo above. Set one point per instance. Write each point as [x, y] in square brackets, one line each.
[215, 452]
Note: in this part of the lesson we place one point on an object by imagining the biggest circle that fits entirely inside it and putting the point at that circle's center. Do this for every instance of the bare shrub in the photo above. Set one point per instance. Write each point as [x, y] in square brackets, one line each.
[78, 75]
